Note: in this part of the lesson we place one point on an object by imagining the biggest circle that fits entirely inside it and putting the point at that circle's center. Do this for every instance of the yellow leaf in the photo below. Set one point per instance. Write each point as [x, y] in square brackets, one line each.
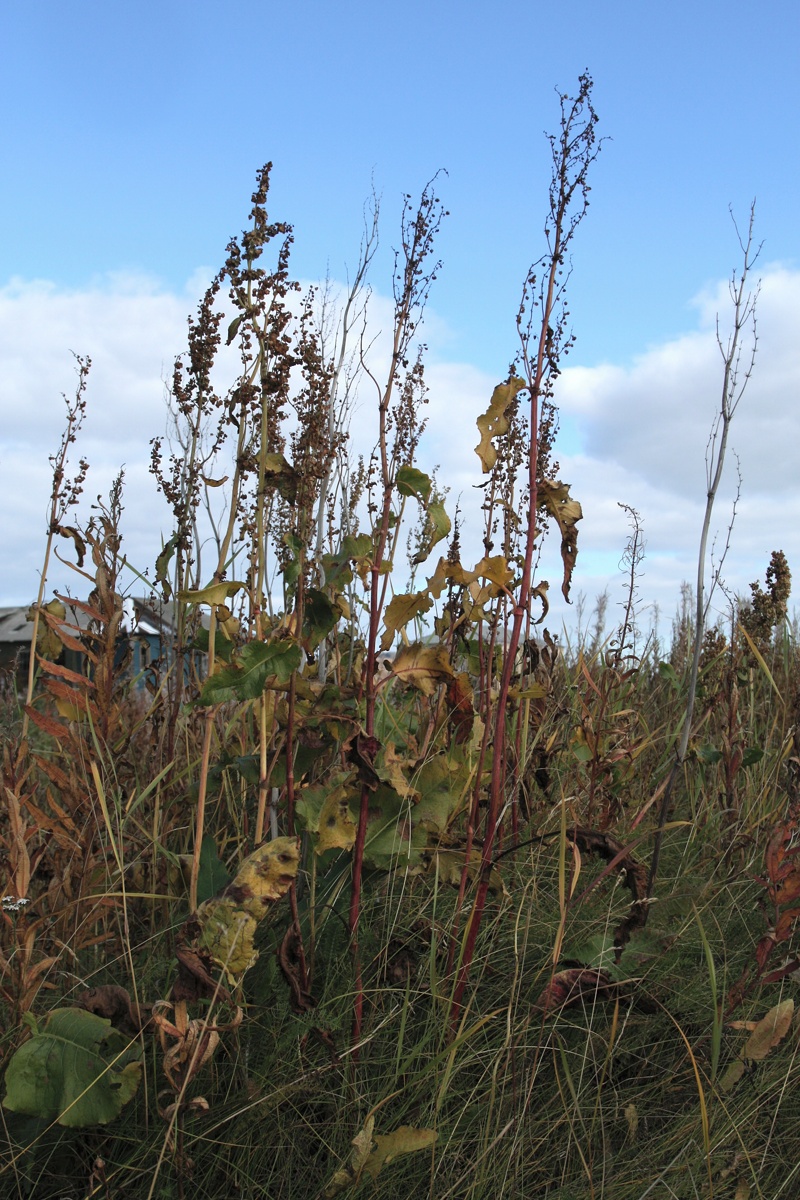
[449, 865]
[400, 610]
[732, 1076]
[422, 666]
[213, 595]
[228, 922]
[632, 1119]
[345, 1177]
[227, 623]
[337, 829]
[554, 496]
[390, 771]
[494, 421]
[405, 1140]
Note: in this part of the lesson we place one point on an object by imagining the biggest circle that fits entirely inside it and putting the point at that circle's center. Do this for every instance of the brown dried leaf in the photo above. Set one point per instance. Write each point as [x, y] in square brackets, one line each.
[423, 667]
[769, 1031]
[571, 985]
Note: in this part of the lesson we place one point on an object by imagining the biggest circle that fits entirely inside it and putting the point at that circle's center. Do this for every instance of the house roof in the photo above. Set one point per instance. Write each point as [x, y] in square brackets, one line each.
[14, 625]
[142, 616]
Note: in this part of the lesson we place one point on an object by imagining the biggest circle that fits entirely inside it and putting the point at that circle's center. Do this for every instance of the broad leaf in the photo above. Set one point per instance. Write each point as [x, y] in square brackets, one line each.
[223, 928]
[373, 1151]
[411, 482]
[400, 610]
[424, 667]
[441, 784]
[320, 615]
[214, 594]
[251, 669]
[769, 1031]
[76, 1070]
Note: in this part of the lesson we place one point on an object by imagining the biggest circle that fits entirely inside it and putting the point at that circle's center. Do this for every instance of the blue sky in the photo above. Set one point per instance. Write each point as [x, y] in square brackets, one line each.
[132, 133]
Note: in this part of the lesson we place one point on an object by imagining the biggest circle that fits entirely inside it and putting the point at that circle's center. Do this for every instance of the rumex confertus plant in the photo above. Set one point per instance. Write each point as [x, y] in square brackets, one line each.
[544, 339]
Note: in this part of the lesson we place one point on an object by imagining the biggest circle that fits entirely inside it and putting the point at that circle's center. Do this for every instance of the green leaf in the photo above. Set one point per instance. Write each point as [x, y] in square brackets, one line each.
[223, 647]
[411, 482]
[391, 842]
[667, 671]
[319, 617]
[709, 755]
[213, 875]
[752, 756]
[440, 782]
[437, 526]
[76, 1070]
[251, 669]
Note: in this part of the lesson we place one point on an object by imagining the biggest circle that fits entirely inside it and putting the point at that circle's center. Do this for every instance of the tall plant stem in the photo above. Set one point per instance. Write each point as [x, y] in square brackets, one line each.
[573, 153]
[412, 284]
[63, 495]
[734, 382]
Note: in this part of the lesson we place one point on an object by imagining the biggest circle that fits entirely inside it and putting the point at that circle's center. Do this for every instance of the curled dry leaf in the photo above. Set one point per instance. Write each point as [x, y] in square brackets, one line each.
[554, 496]
[569, 986]
[494, 421]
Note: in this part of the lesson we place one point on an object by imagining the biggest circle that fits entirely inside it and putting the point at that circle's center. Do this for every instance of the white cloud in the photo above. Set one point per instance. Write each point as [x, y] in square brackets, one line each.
[643, 430]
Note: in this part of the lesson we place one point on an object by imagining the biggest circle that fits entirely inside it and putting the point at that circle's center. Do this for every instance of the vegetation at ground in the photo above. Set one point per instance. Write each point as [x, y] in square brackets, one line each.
[372, 885]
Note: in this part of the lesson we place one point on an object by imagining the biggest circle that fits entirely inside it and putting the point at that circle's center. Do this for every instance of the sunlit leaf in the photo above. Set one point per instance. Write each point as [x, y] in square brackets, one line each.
[213, 594]
[494, 421]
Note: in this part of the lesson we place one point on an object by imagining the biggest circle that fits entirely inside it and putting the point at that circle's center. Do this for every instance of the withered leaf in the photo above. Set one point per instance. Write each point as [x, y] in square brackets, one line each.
[769, 1031]
[571, 985]
[494, 421]
[223, 928]
[423, 667]
[555, 498]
